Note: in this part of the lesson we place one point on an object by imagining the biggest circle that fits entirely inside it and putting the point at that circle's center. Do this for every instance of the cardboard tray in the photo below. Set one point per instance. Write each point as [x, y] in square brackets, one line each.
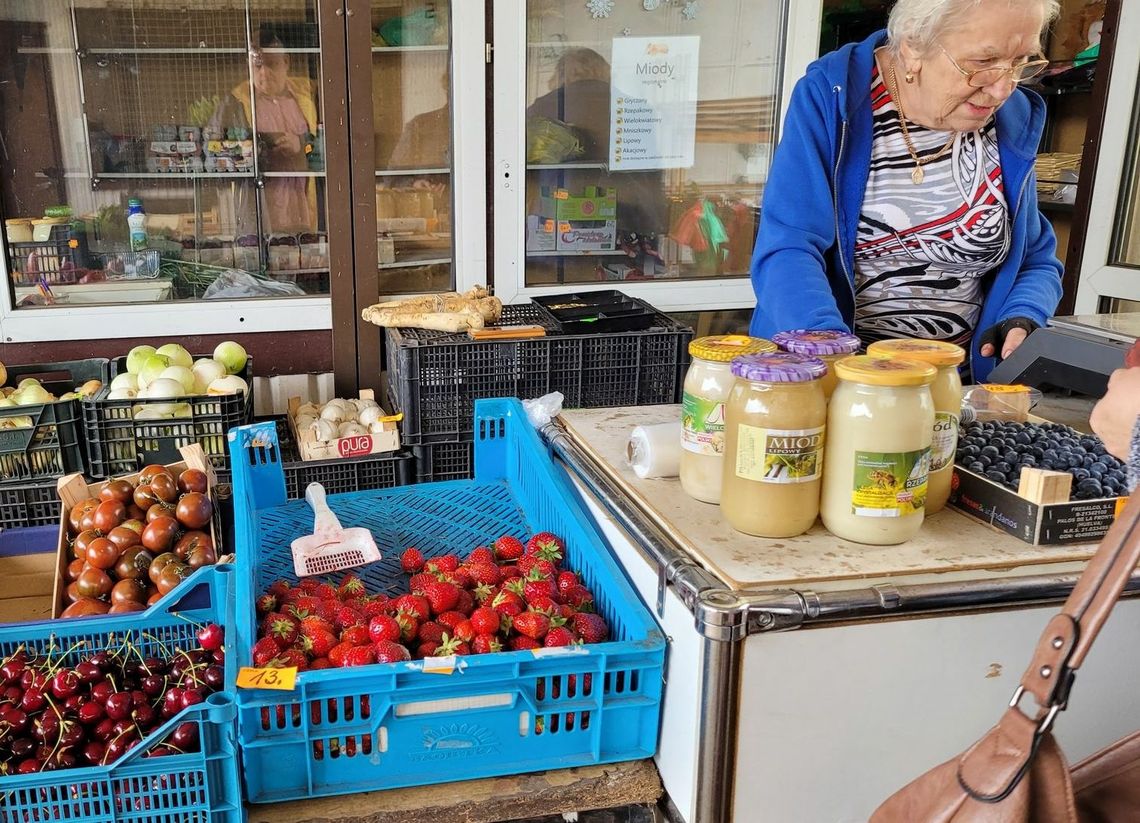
[1074, 521]
[73, 488]
[310, 448]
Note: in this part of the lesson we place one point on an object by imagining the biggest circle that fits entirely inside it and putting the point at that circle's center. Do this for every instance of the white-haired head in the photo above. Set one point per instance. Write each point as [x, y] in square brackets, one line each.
[921, 22]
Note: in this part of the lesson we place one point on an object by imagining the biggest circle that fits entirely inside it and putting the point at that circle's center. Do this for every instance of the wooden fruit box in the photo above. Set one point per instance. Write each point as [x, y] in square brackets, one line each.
[74, 488]
[310, 448]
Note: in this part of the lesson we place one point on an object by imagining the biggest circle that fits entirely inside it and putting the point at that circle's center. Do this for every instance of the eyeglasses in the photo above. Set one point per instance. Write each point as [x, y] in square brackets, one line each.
[980, 78]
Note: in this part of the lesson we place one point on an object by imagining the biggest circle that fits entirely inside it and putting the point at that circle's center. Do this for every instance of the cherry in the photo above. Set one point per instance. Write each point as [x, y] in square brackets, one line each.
[93, 752]
[102, 691]
[185, 736]
[172, 703]
[104, 729]
[214, 677]
[144, 715]
[33, 700]
[118, 706]
[72, 735]
[191, 697]
[65, 683]
[153, 685]
[23, 747]
[17, 720]
[91, 712]
[46, 728]
[29, 766]
[33, 679]
[88, 672]
[211, 637]
[72, 702]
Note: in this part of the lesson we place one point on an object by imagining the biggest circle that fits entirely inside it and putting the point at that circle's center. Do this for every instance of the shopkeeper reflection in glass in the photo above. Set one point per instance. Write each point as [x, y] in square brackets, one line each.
[286, 112]
[901, 200]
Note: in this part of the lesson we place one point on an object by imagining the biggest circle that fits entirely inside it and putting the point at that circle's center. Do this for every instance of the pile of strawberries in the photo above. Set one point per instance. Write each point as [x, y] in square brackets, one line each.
[506, 597]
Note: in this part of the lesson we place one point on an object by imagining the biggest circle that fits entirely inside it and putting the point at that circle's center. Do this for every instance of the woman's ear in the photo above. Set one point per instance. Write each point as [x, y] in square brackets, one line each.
[910, 60]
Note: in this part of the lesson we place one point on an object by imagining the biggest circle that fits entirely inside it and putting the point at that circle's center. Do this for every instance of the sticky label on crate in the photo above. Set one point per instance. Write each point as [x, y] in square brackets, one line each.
[560, 651]
[281, 679]
[439, 665]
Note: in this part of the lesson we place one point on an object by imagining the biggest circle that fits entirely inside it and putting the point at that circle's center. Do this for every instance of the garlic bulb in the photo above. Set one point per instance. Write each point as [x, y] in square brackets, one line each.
[303, 421]
[325, 430]
[350, 428]
[310, 409]
[334, 414]
[376, 427]
[369, 415]
[350, 408]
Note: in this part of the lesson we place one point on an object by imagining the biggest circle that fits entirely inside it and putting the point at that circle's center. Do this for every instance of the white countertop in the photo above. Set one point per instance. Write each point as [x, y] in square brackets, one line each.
[950, 545]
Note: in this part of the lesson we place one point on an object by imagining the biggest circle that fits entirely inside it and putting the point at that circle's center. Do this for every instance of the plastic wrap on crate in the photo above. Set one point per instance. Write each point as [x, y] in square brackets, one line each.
[390, 725]
[54, 443]
[117, 443]
[434, 378]
[200, 786]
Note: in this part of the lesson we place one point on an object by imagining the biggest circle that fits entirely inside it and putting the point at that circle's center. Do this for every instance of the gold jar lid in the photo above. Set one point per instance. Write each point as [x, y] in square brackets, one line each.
[882, 371]
[935, 352]
[723, 348]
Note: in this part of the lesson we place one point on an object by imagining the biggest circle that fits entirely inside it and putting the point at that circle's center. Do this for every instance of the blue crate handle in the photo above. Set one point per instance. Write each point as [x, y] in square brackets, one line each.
[258, 474]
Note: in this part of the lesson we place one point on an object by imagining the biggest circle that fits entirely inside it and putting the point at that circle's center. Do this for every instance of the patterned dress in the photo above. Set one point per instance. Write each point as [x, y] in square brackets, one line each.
[923, 251]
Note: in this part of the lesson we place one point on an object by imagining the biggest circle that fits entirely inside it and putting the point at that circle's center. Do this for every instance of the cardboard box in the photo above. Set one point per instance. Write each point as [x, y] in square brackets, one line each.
[73, 489]
[539, 233]
[311, 448]
[595, 203]
[592, 235]
[1075, 521]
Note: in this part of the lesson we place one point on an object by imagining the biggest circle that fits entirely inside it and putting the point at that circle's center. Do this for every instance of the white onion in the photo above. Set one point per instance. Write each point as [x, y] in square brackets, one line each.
[27, 381]
[206, 371]
[153, 411]
[6, 402]
[369, 415]
[177, 355]
[137, 356]
[231, 355]
[126, 380]
[230, 384]
[324, 430]
[350, 428]
[32, 394]
[122, 394]
[350, 408]
[163, 387]
[182, 374]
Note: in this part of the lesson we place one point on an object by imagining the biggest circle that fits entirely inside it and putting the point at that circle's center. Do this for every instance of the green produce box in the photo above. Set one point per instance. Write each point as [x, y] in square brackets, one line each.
[595, 203]
[1077, 521]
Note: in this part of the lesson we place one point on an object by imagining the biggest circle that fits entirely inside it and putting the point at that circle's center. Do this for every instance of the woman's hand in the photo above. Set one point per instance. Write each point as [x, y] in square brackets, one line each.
[1113, 419]
[1009, 334]
[1012, 340]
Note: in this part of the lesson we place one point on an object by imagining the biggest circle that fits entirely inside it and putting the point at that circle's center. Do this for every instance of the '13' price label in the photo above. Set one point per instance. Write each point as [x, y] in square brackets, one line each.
[283, 679]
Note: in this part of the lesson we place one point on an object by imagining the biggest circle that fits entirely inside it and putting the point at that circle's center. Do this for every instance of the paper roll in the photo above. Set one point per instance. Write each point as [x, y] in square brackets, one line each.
[655, 451]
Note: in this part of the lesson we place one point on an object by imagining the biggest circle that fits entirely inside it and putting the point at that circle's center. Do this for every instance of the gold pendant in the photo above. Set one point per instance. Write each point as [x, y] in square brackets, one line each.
[917, 175]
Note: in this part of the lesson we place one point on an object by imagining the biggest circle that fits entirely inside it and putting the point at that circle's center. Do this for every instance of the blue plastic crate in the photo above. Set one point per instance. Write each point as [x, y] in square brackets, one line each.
[390, 725]
[198, 787]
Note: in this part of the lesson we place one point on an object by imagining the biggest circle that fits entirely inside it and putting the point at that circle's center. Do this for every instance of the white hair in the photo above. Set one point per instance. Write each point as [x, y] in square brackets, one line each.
[922, 22]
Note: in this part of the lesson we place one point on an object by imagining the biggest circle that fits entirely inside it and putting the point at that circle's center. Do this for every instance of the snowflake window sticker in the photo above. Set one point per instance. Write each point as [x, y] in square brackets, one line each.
[689, 12]
[600, 9]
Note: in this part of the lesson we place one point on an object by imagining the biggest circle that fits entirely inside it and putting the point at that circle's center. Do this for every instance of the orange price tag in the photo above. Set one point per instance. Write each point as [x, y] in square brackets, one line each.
[563, 227]
[997, 388]
[282, 679]
[561, 194]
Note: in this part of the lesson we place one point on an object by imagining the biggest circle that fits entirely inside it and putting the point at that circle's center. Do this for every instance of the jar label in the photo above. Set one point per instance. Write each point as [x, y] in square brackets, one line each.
[945, 440]
[702, 425]
[890, 484]
[779, 455]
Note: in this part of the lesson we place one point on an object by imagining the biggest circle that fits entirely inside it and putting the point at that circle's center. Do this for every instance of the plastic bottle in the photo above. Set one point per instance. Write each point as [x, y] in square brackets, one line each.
[136, 224]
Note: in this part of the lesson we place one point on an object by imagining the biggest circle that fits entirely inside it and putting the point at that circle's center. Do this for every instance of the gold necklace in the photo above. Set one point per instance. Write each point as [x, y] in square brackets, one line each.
[918, 175]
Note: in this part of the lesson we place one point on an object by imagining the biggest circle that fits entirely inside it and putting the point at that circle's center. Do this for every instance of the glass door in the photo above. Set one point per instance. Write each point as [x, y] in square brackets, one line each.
[167, 154]
[633, 144]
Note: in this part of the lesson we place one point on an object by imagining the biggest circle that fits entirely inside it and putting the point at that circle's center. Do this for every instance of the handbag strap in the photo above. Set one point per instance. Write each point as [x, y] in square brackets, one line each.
[992, 769]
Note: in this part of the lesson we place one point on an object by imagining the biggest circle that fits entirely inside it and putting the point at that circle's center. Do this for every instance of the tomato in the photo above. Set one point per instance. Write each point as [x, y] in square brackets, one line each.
[194, 510]
[160, 533]
[102, 553]
[192, 480]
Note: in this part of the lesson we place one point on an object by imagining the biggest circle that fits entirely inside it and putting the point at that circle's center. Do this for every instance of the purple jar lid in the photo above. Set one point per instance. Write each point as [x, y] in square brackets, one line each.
[817, 342]
[778, 367]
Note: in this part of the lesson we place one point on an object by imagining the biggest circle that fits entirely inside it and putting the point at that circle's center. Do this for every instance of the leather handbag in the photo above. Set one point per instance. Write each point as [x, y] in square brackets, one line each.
[1017, 773]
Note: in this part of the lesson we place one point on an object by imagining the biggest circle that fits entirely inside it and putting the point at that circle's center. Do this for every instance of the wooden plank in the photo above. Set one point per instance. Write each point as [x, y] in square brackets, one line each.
[481, 801]
[949, 541]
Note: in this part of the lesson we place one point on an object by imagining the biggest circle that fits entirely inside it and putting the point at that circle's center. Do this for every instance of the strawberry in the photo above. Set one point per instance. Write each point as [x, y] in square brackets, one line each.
[508, 548]
[360, 656]
[485, 620]
[579, 597]
[266, 603]
[486, 643]
[537, 586]
[534, 625]
[559, 636]
[263, 651]
[521, 642]
[533, 563]
[545, 605]
[288, 658]
[347, 616]
[315, 623]
[431, 632]
[414, 605]
[451, 619]
[516, 586]
[447, 562]
[426, 649]
[461, 577]
[567, 612]
[326, 610]
[565, 580]
[483, 592]
[452, 645]
[317, 642]
[484, 574]
[507, 602]
[509, 571]
[546, 546]
[320, 663]
[441, 596]
[338, 652]
[591, 628]
[408, 626]
[278, 588]
[351, 587]
[308, 584]
[325, 591]
[388, 652]
[465, 631]
[418, 581]
[481, 554]
[466, 602]
[374, 606]
[356, 635]
[281, 628]
[412, 561]
[382, 627]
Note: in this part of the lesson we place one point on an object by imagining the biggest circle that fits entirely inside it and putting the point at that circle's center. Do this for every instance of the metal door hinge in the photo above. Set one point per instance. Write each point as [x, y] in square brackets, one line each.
[487, 51]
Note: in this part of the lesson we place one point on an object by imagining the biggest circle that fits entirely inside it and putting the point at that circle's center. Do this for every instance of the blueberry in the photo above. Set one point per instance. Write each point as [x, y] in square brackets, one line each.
[1097, 469]
[1080, 474]
[996, 476]
[1037, 452]
[990, 451]
[1024, 438]
[1002, 466]
[1091, 486]
[969, 451]
[977, 468]
[1028, 460]
[1075, 461]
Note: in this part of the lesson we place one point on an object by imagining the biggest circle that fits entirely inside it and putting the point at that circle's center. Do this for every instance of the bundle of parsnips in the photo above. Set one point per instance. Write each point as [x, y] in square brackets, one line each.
[450, 311]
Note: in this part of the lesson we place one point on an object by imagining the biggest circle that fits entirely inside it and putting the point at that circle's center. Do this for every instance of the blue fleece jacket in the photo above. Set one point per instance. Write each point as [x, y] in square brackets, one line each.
[803, 266]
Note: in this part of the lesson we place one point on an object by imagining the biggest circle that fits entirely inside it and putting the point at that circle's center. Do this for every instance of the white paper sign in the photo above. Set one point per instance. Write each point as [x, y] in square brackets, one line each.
[653, 102]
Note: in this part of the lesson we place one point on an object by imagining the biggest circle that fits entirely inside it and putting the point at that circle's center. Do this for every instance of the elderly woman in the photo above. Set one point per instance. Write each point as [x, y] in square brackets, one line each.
[901, 200]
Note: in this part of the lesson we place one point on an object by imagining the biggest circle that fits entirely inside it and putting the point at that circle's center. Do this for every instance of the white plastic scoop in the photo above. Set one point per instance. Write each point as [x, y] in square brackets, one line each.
[331, 547]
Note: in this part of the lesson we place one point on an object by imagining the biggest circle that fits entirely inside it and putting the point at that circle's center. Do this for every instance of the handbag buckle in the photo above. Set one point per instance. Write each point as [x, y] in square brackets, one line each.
[1043, 723]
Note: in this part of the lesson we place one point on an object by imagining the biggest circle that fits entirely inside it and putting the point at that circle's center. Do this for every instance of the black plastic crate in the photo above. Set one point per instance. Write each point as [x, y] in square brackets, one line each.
[55, 260]
[117, 443]
[375, 471]
[597, 312]
[434, 378]
[29, 504]
[53, 444]
[445, 461]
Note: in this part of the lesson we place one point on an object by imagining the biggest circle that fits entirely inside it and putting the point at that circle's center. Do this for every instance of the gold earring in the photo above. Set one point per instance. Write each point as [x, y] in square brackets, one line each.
[908, 77]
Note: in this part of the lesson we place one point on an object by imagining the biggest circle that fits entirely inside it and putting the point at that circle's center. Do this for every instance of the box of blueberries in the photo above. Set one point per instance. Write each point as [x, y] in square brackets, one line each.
[990, 458]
